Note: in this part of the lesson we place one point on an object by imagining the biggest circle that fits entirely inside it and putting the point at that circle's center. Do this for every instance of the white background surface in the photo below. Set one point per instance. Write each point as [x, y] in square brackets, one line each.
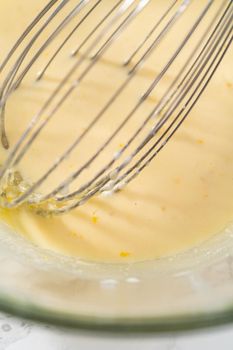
[18, 334]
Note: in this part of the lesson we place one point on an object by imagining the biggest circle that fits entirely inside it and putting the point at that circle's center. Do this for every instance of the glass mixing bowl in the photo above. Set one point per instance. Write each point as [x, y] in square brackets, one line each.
[190, 290]
[193, 289]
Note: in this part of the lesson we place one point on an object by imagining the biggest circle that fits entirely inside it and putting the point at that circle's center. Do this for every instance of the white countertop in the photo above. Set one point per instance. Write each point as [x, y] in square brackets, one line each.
[18, 334]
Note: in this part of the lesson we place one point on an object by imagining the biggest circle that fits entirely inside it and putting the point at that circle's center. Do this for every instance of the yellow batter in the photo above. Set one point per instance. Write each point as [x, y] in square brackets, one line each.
[181, 200]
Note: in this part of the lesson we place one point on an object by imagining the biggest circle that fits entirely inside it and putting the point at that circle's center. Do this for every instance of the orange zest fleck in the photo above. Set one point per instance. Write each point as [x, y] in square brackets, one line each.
[94, 219]
[124, 254]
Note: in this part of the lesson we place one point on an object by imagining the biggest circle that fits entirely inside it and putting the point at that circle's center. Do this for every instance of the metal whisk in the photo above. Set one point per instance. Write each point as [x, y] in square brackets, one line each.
[167, 114]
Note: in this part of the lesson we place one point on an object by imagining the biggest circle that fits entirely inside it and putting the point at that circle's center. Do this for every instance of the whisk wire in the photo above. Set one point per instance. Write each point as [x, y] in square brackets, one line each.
[169, 112]
[158, 39]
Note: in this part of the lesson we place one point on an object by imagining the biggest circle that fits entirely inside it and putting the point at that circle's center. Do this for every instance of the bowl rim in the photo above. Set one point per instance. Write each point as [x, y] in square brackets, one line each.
[125, 325]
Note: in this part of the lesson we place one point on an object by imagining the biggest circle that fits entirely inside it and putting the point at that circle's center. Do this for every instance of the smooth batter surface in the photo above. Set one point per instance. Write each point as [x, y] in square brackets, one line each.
[182, 199]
